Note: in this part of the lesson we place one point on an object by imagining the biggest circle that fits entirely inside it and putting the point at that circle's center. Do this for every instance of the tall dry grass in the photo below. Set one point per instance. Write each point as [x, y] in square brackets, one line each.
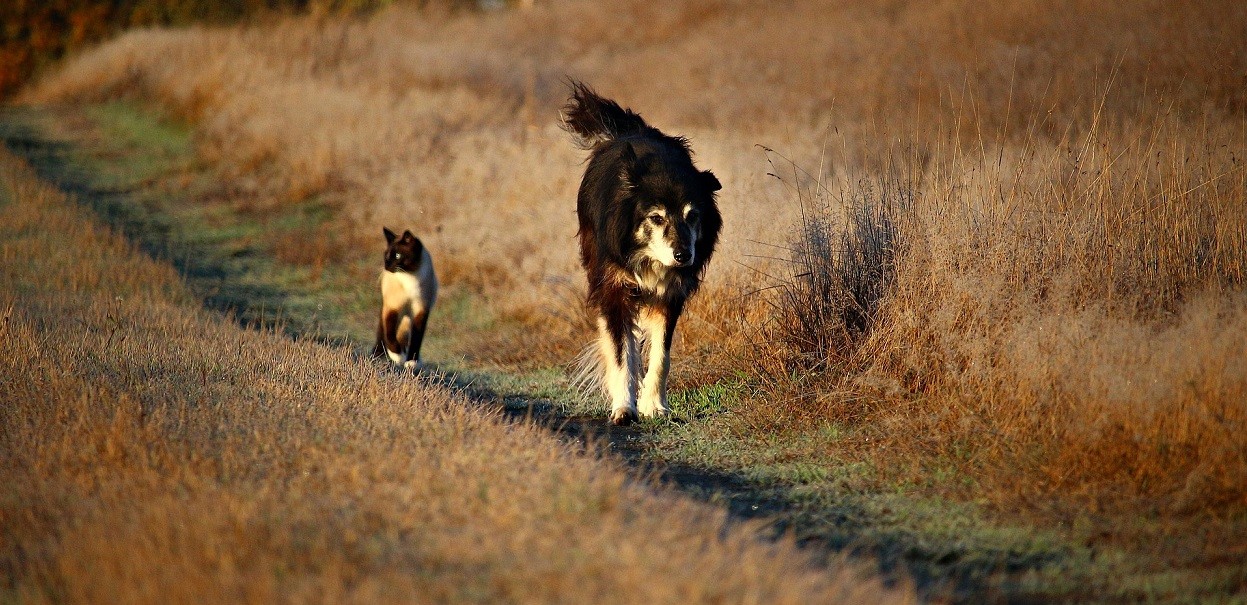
[151, 452]
[1064, 321]
[1062, 309]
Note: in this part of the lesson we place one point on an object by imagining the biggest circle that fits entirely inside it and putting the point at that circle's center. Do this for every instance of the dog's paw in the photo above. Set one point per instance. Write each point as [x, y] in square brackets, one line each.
[653, 406]
[623, 416]
[411, 365]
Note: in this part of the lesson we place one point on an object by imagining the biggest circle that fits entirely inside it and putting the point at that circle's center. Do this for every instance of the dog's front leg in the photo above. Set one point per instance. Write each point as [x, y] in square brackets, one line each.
[619, 350]
[652, 401]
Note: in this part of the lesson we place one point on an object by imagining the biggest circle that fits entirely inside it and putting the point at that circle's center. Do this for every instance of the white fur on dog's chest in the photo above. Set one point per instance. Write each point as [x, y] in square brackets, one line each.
[655, 278]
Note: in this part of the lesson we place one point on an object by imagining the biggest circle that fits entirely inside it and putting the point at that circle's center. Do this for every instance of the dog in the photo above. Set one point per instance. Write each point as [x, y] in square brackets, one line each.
[648, 223]
[408, 291]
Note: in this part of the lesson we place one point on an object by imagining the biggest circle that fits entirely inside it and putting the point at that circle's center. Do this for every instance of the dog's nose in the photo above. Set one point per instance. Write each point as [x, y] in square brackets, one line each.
[682, 256]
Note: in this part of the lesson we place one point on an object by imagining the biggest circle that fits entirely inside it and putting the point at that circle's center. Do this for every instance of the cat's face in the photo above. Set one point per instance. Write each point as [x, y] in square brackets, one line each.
[402, 253]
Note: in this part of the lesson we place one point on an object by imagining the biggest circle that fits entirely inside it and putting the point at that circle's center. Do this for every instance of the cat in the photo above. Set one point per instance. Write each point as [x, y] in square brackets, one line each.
[408, 291]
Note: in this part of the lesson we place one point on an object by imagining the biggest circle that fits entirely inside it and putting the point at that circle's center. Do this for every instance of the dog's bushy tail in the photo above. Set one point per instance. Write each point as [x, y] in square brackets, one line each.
[588, 371]
[592, 119]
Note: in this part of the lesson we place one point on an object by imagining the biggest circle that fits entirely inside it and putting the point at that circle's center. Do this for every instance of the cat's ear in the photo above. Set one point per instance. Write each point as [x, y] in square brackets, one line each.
[389, 235]
[407, 236]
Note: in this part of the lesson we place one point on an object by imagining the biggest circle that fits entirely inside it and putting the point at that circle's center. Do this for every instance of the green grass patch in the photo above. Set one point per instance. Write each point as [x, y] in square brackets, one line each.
[144, 136]
[703, 401]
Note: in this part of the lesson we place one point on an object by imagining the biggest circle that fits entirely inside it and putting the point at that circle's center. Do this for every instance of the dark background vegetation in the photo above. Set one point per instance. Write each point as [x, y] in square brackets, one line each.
[37, 33]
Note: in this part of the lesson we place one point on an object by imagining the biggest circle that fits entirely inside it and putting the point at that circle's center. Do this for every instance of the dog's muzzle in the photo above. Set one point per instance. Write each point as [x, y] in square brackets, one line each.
[683, 257]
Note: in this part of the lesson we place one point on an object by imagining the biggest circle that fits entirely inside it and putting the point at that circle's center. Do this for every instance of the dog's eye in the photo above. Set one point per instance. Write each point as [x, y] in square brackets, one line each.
[657, 219]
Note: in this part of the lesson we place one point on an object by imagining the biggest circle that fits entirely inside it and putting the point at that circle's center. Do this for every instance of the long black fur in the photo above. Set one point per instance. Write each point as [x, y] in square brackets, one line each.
[633, 166]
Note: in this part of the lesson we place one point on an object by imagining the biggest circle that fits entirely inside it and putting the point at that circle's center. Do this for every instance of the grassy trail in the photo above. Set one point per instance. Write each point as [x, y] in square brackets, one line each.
[139, 174]
[153, 451]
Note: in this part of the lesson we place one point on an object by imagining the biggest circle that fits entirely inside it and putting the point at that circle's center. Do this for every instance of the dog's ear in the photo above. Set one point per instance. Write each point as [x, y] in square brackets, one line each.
[407, 236]
[710, 181]
[631, 168]
[628, 155]
[389, 235]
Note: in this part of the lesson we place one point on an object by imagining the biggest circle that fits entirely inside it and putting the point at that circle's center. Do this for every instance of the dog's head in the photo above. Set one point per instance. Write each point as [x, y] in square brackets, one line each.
[674, 217]
[402, 253]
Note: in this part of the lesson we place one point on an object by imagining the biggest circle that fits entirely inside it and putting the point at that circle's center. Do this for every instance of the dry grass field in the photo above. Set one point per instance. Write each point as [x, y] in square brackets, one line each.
[152, 452]
[993, 255]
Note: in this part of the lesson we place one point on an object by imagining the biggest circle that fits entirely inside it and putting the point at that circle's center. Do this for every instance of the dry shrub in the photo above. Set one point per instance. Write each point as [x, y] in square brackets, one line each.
[843, 262]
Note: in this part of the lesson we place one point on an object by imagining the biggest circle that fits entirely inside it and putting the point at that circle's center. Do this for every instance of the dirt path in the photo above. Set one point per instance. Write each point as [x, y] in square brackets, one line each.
[631, 445]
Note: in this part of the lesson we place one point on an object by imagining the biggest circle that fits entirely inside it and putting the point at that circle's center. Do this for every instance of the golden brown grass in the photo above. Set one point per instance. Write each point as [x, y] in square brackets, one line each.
[153, 452]
[1064, 318]
[1076, 313]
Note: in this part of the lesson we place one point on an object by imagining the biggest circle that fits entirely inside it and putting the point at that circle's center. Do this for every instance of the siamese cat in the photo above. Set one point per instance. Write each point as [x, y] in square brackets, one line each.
[408, 290]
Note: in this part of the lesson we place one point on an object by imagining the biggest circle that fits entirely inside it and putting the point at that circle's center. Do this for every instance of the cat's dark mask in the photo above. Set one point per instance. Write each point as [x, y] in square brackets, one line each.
[402, 253]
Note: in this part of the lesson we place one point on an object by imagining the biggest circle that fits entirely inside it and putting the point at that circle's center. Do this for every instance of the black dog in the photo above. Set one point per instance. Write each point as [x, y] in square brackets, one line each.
[648, 225]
